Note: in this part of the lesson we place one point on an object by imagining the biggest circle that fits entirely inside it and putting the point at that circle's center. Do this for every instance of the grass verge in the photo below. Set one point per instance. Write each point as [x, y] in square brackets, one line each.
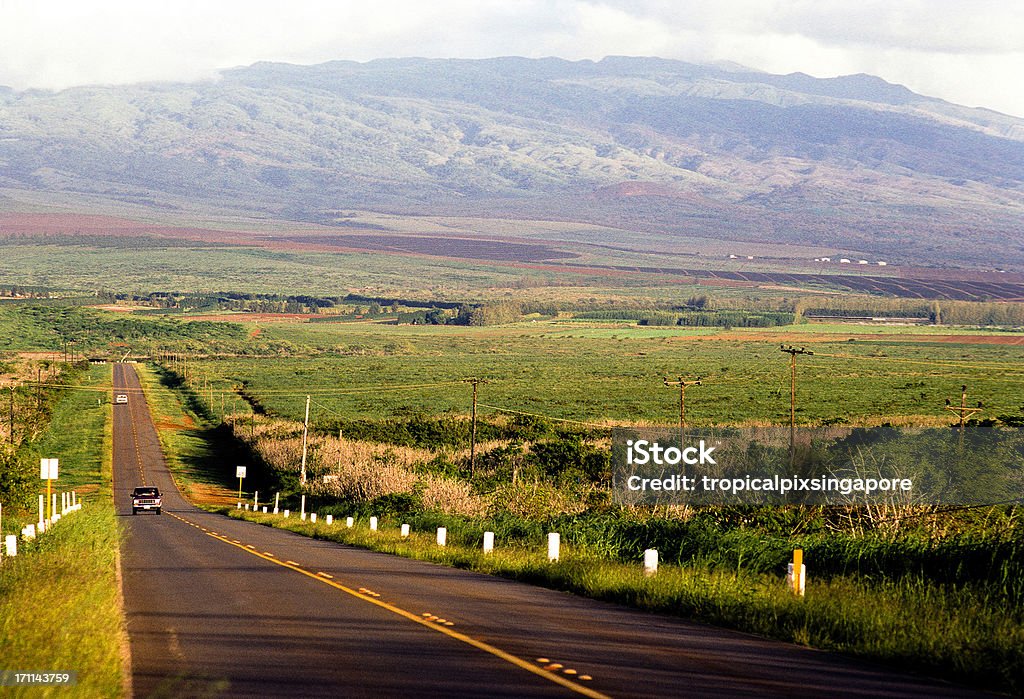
[60, 603]
[955, 633]
[60, 607]
[200, 455]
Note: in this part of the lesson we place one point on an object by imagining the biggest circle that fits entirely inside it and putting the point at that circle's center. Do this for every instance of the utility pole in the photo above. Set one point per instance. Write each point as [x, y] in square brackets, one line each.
[472, 434]
[339, 449]
[305, 434]
[963, 410]
[792, 351]
[683, 384]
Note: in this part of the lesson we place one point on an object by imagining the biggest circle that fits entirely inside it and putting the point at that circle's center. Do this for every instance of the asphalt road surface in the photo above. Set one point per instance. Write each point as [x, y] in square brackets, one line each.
[218, 607]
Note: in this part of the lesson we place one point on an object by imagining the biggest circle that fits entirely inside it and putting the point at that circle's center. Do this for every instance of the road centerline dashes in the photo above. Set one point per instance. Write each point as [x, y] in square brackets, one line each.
[439, 625]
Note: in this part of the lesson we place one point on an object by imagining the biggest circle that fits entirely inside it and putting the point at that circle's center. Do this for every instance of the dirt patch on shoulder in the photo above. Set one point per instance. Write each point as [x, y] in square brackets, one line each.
[206, 494]
[165, 423]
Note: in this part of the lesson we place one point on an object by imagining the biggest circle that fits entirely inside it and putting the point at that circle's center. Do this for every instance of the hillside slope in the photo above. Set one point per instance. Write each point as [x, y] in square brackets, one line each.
[644, 144]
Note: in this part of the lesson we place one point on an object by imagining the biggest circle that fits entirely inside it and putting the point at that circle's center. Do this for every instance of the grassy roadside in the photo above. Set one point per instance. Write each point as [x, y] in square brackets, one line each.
[198, 453]
[942, 631]
[60, 605]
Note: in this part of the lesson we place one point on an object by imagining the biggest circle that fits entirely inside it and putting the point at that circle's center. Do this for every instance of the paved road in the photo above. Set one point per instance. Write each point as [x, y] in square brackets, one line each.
[218, 607]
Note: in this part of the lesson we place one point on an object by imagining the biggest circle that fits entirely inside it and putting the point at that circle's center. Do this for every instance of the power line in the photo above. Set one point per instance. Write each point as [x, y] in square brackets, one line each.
[545, 417]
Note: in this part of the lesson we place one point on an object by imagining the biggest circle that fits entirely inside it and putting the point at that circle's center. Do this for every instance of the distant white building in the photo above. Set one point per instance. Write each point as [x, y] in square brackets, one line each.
[882, 263]
[862, 262]
[826, 259]
[844, 261]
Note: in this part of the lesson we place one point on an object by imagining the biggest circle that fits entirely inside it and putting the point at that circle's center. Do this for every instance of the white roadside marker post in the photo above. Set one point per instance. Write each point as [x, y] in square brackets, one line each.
[350, 522]
[650, 561]
[488, 542]
[312, 517]
[277, 501]
[373, 524]
[442, 536]
[302, 511]
[554, 544]
[12, 545]
[330, 519]
[405, 531]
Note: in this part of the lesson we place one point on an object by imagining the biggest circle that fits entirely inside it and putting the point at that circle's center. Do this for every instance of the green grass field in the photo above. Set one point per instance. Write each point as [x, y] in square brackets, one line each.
[598, 374]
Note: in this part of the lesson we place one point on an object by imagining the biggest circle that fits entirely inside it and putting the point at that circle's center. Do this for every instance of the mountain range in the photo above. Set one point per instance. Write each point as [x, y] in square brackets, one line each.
[646, 145]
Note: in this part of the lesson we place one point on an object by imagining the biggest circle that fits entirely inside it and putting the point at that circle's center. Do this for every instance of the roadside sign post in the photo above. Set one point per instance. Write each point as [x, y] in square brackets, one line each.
[239, 474]
[796, 576]
[48, 472]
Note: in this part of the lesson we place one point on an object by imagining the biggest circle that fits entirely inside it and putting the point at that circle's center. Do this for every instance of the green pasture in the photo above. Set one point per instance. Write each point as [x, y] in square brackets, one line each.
[598, 374]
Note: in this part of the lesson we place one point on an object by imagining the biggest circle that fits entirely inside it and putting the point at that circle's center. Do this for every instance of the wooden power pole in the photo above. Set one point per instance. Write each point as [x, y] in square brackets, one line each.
[962, 410]
[793, 352]
[682, 384]
[472, 434]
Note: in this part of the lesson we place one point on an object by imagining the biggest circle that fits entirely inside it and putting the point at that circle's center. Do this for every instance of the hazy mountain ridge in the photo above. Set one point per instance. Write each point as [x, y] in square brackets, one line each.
[712, 151]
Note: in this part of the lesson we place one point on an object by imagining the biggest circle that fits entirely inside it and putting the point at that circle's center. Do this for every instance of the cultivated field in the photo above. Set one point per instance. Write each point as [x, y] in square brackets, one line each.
[604, 374]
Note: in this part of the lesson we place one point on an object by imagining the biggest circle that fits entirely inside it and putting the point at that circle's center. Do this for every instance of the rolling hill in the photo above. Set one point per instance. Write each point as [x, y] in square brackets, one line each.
[645, 145]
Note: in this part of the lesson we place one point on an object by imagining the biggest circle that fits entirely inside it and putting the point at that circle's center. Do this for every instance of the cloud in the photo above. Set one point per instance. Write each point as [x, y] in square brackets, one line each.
[964, 52]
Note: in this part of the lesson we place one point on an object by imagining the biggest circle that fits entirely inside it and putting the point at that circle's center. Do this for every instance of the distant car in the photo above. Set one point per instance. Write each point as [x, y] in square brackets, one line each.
[146, 498]
[120, 399]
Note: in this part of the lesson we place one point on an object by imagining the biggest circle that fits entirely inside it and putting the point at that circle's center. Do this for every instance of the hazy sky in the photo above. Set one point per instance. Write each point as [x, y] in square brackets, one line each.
[966, 51]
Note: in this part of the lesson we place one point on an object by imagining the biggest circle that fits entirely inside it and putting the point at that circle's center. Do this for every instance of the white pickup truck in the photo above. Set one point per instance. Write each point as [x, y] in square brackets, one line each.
[146, 497]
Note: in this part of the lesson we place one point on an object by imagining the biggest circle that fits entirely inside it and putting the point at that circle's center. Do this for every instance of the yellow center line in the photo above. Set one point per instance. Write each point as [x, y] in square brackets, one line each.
[447, 631]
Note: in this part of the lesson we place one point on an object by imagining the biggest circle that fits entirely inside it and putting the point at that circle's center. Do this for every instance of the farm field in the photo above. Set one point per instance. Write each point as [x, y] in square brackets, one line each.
[440, 258]
[613, 374]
